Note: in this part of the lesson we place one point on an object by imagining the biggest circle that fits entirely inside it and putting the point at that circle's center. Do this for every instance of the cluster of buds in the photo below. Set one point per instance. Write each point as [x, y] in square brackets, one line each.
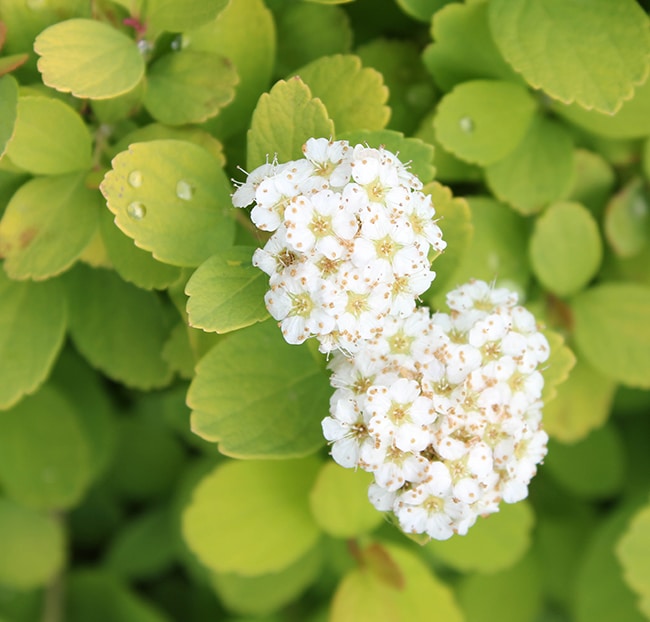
[443, 409]
[352, 244]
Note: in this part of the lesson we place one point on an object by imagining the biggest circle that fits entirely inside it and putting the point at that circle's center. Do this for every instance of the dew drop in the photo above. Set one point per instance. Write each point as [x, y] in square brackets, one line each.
[136, 210]
[466, 124]
[184, 190]
[135, 179]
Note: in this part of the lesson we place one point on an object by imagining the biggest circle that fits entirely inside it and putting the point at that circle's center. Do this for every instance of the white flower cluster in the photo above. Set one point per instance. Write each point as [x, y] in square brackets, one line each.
[353, 234]
[444, 410]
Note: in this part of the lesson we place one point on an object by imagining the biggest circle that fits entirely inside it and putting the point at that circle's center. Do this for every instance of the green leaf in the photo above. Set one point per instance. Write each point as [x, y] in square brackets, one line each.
[283, 121]
[592, 468]
[494, 543]
[258, 396]
[144, 547]
[244, 32]
[565, 248]
[455, 221]
[88, 59]
[252, 518]
[593, 181]
[45, 456]
[630, 121]
[411, 151]
[50, 138]
[227, 292]
[611, 330]
[633, 551]
[101, 597]
[495, 250]
[482, 597]
[355, 96]
[365, 595]
[411, 91]
[189, 87]
[538, 171]
[178, 352]
[339, 502]
[422, 10]
[132, 263]
[627, 221]
[119, 328]
[463, 47]
[558, 46]
[47, 225]
[264, 594]
[8, 110]
[178, 17]
[172, 198]
[307, 31]
[11, 63]
[33, 322]
[32, 549]
[482, 121]
[601, 594]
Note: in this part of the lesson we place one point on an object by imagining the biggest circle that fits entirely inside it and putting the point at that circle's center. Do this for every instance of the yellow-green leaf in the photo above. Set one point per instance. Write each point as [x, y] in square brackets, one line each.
[633, 551]
[627, 219]
[88, 59]
[179, 17]
[8, 110]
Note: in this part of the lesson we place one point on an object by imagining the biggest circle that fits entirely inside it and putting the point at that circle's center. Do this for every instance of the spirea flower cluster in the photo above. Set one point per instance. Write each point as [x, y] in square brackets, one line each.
[352, 242]
[443, 409]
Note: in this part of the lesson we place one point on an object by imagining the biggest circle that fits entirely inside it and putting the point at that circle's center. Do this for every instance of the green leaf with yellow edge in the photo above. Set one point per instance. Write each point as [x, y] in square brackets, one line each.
[355, 96]
[494, 251]
[307, 31]
[482, 121]
[463, 47]
[455, 221]
[244, 32]
[99, 596]
[264, 594]
[413, 152]
[189, 87]
[172, 198]
[565, 248]
[339, 502]
[45, 455]
[47, 225]
[611, 330]
[50, 138]
[33, 321]
[88, 59]
[627, 219]
[32, 550]
[422, 10]
[630, 121]
[592, 468]
[252, 518]
[558, 365]
[411, 90]
[366, 595]
[601, 594]
[8, 110]
[114, 109]
[144, 547]
[558, 47]
[259, 397]
[108, 317]
[482, 597]
[132, 263]
[538, 171]
[178, 17]
[633, 551]
[283, 121]
[227, 292]
[494, 543]
[583, 404]
[593, 181]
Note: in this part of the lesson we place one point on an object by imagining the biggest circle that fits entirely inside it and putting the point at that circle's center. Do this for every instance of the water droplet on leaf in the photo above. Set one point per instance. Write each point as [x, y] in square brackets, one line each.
[466, 124]
[136, 210]
[184, 190]
[135, 179]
